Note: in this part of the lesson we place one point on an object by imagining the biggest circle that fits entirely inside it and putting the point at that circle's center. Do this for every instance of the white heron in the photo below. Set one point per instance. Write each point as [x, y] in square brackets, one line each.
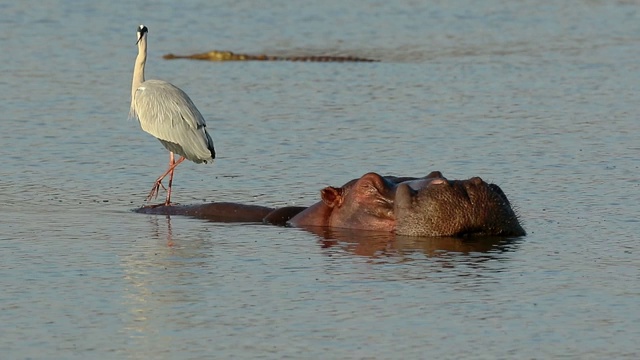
[167, 112]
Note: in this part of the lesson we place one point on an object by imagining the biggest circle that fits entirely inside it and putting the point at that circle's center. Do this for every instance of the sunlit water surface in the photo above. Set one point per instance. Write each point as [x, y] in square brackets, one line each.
[538, 97]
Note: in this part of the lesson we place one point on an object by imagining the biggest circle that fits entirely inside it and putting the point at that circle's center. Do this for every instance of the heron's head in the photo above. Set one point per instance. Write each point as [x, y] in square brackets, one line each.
[142, 31]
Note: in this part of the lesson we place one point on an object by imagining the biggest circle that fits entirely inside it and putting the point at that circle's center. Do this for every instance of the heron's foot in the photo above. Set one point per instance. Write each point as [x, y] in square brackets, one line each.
[153, 194]
[153, 206]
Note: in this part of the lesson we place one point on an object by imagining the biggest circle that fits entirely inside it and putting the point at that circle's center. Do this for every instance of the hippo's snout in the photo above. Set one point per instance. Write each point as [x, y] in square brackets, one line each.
[439, 207]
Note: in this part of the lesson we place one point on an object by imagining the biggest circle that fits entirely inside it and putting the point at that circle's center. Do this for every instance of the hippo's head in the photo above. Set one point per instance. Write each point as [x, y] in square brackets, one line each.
[427, 206]
[364, 203]
[450, 208]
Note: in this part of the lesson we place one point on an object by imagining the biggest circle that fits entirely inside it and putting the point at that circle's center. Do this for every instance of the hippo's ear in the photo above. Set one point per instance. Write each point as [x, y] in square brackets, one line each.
[331, 196]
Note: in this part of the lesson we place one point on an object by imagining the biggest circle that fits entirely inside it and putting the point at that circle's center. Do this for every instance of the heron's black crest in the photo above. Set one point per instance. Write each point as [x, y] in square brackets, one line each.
[142, 29]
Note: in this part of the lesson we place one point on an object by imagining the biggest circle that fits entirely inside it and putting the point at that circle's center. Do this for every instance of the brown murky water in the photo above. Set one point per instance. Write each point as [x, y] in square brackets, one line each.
[539, 98]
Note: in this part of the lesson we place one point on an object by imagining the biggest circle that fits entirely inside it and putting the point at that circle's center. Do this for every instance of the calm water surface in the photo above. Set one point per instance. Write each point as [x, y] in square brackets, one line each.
[541, 98]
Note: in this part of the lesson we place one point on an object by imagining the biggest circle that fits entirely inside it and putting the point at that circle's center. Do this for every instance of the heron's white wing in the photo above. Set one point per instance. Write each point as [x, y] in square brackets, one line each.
[166, 112]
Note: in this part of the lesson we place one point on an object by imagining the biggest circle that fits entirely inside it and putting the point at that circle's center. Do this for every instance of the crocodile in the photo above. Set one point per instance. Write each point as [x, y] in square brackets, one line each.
[216, 55]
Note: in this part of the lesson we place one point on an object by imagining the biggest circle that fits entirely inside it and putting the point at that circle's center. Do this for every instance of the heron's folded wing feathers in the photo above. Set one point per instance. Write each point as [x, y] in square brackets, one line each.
[166, 112]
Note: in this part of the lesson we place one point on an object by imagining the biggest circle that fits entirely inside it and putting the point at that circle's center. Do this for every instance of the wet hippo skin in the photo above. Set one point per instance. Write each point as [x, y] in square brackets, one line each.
[428, 206]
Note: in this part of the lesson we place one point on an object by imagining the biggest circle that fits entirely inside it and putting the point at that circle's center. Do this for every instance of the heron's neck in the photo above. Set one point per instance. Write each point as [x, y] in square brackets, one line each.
[138, 68]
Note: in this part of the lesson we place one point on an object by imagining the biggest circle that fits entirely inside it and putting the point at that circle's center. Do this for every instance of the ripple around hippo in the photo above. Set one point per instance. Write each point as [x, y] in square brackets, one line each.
[430, 206]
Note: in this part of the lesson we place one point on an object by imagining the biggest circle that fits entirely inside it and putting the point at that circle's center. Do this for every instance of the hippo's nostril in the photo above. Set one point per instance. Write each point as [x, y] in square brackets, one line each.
[438, 181]
[476, 180]
[434, 174]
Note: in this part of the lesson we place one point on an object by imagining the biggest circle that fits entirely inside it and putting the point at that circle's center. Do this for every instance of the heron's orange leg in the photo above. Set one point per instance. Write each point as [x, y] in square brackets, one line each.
[168, 201]
[158, 183]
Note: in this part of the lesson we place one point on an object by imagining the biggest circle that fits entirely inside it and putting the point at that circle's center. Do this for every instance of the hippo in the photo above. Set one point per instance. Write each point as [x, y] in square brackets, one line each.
[429, 206]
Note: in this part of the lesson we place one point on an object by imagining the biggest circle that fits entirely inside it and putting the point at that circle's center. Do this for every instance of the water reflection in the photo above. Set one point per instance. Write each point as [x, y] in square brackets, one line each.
[159, 281]
[157, 233]
[382, 245]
